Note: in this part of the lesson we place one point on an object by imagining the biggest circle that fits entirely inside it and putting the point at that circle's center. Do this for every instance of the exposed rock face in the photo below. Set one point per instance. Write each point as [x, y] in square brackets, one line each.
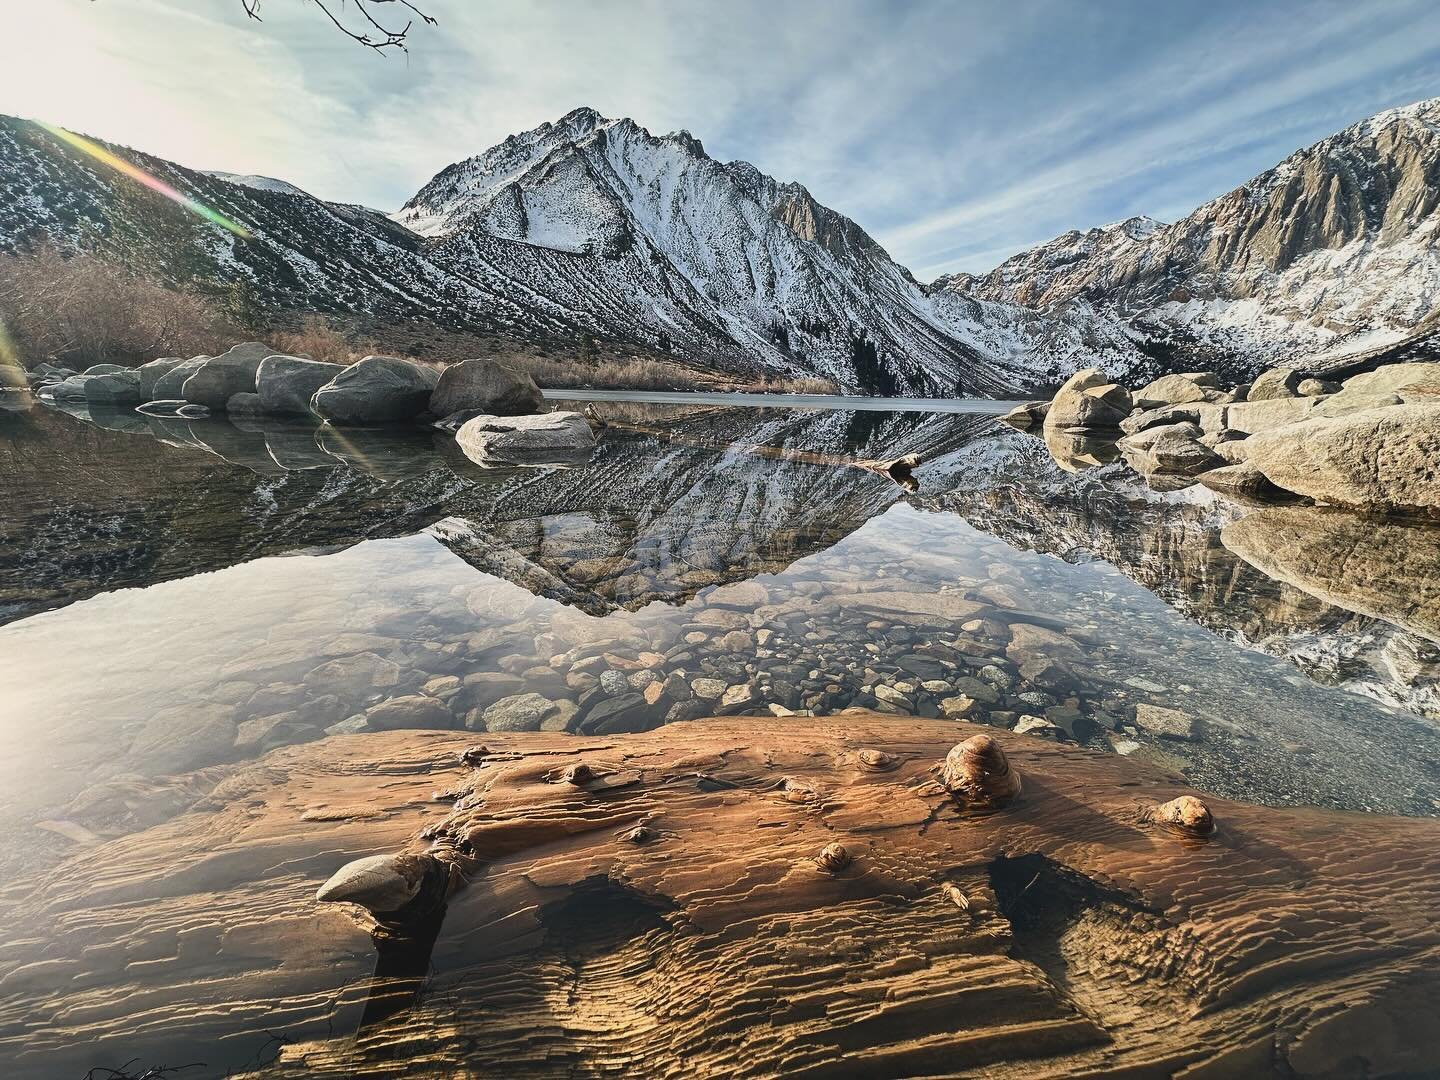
[522, 439]
[287, 383]
[219, 378]
[120, 389]
[487, 387]
[1175, 389]
[1169, 450]
[1385, 459]
[1388, 571]
[1318, 257]
[1393, 384]
[1094, 926]
[376, 390]
[168, 386]
[1088, 399]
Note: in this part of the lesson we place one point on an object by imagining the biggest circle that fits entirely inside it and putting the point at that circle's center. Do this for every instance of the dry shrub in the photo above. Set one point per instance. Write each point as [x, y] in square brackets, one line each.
[635, 373]
[79, 310]
[643, 373]
[318, 339]
[797, 385]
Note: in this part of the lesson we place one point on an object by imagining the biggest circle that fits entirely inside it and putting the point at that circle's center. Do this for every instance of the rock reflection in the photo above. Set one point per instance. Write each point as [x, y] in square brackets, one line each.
[1387, 569]
[1078, 451]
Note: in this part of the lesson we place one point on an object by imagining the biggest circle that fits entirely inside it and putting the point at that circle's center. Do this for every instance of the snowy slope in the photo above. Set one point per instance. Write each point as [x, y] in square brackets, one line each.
[1332, 252]
[697, 255]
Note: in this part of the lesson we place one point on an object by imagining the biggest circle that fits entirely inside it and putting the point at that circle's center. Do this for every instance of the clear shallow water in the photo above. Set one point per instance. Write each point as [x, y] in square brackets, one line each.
[180, 597]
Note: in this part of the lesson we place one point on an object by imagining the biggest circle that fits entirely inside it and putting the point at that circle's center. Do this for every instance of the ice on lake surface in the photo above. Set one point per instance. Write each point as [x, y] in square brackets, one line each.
[180, 596]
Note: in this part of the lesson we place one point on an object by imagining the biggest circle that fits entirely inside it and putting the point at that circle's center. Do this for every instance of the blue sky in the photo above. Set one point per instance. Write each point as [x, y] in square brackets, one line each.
[957, 133]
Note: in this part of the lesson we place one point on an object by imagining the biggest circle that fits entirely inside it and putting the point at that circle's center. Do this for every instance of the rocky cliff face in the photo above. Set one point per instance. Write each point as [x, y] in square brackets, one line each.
[1330, 253]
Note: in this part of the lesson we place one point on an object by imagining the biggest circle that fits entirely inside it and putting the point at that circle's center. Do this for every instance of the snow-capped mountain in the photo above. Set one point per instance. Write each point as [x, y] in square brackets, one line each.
[583, 226]
[684, 251]
[592, 226]
[1330, 254]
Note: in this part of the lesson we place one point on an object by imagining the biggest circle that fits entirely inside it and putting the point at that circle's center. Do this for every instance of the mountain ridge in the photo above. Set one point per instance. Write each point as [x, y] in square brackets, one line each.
[595, 226]
[1330, 252]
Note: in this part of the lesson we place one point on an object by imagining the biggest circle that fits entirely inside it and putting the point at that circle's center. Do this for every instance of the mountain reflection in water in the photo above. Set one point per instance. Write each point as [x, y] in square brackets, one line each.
[182, 597]
[182, 642]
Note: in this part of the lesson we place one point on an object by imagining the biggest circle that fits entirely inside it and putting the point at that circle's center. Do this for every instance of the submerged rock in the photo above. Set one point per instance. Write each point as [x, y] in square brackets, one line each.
[524, 439]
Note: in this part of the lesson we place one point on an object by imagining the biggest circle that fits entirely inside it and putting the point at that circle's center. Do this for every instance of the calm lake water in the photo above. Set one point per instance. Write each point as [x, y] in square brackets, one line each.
[181, 596]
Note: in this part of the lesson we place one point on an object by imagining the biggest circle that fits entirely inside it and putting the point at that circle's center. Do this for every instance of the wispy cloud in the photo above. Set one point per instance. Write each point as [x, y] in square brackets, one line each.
[957, 133]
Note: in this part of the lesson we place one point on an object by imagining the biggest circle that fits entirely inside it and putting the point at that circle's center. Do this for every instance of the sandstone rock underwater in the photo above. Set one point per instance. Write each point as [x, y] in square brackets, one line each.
[733, 897]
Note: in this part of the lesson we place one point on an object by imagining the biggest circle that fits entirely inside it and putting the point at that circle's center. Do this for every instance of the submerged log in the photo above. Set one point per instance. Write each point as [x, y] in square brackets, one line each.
[695, 920]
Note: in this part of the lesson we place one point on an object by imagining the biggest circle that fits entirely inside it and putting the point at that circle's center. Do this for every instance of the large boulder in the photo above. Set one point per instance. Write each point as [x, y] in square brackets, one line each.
[168, 385]
[150, 373]
[1280, 382]
[486, 386]
[1394, 384]
[1176, 389]
[1385, 459]
[221, 377]
[1088, 399]
[1249, 417]
[1171, 450]
[376, 390]
[525, 439]
[287, 383]
[71, 389]
[119, 389]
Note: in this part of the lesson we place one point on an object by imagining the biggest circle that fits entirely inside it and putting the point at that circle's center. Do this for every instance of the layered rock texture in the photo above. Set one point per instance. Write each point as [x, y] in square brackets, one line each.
[724, 896]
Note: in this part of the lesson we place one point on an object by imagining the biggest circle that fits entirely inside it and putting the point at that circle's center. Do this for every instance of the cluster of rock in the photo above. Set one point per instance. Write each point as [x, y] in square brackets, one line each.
[496, 409]
[905, 653]
[1371, 443]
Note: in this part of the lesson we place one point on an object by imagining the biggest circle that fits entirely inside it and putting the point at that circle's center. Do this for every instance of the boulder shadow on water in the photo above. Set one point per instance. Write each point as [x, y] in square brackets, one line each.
[1388, 569]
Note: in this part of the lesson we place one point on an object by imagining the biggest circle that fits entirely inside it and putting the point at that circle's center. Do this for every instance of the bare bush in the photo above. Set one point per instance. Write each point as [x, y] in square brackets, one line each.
[318, 339]
[645, 373]
[79, 310]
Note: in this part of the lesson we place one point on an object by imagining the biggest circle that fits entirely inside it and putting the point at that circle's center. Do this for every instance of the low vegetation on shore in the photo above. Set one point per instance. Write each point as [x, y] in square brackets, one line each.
[76, 311]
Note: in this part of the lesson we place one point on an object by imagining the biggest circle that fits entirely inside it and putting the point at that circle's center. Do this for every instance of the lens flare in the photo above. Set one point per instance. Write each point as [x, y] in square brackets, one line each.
[10, 367]
[154, 183]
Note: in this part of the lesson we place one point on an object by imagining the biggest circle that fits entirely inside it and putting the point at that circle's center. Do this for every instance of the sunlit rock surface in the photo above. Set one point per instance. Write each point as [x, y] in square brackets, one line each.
[1076, 929]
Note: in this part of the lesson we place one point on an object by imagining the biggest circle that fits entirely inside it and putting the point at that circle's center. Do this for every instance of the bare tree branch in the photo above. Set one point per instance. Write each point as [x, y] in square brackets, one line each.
[379, 38]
